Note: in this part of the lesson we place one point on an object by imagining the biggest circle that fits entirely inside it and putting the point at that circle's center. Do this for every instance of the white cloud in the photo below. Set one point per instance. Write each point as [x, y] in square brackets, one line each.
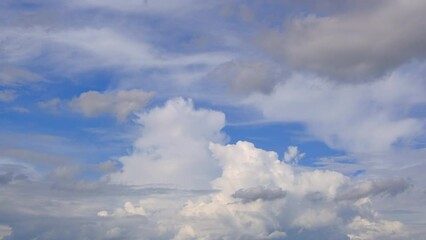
[120, 103]
[293, 155]
[363, 118]
[173, 145]
[264, 208]
[89, 48]
[366, 230]
[128, 210]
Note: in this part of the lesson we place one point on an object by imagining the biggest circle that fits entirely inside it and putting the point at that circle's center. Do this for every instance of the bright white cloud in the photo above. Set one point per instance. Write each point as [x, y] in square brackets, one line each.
[272, 198]
[173, 146]
[120, 103]
[362, 118]
[366, 230]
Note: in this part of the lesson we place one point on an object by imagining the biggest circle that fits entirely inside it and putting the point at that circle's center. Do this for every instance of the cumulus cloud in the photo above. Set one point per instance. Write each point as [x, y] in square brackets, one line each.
[119, 104]
[365, 118]
[173, 146]
[274, 201]
[354, 45]
[251, 193]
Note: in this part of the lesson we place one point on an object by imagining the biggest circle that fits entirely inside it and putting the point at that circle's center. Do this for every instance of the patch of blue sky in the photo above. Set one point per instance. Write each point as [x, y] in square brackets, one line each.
[278, 137]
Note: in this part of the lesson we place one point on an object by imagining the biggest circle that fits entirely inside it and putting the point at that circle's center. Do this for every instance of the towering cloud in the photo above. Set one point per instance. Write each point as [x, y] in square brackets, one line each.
[173, 146]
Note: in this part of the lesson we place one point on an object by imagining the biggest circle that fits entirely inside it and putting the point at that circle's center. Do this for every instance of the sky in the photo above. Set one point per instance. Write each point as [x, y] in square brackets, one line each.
[236, 119]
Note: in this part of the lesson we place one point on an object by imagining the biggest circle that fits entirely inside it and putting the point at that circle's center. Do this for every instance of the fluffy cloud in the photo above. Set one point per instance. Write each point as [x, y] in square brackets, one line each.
[276, 201]
[250, 193]
[293, 155]
[354, 45]
[120, 103]
[173, 145]
[366, 118]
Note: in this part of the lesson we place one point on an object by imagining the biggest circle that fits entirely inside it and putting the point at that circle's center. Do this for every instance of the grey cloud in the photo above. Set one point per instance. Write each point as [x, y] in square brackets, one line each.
[356, 45]
[120, 104]
[14, 76]
[245, 77]
[374, 188]
[260, 192]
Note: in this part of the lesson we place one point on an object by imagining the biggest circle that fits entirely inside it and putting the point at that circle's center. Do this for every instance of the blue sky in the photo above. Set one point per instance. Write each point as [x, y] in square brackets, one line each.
[208, 119]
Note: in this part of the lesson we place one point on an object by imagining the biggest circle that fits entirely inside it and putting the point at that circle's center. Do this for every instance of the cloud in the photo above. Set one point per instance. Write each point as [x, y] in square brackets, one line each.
[356, 45]
[366, 118]
[119, 104]
[255, 193]
[293, 155]
[8, 95]
[253, 196]
[92, 48]
[245, 77]
[274, 200]
[20, 109]
[50, 105]
[143, 6]
[5, 231]
[375, 187]
[11, 173]
[173, 146]
[14, 76]
[128, 210]
[366, 230]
